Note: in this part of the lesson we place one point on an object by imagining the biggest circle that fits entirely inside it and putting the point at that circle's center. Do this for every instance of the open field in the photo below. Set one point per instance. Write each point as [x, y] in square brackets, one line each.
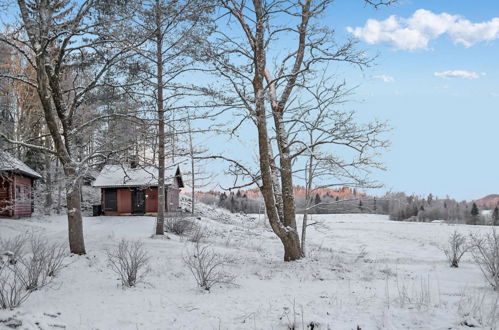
[361, 270]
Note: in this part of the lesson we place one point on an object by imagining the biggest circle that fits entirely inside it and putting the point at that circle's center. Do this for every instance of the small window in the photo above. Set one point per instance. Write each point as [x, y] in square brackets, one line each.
[23, 194]
[110, 200]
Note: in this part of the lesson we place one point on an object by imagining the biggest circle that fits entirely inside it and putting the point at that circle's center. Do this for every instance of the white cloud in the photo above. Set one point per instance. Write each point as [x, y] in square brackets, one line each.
[423, 26]
[457, 74]
[384, 78]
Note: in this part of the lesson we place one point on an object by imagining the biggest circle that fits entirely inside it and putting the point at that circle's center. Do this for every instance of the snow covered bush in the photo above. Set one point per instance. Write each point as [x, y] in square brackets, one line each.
[14, 246]
[457, 246]
[486, 255]
[198, 234]
[12, 288]
[130, 261]
[207, 266]
[42, 262]
[479, 309]
[178, 225]
[27, 263]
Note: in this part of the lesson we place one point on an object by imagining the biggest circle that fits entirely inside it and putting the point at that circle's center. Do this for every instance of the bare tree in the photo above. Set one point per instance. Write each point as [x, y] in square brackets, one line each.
[170, 29]
[265, 78]
[71, 46]
[456, 248]
[320, 134]
[485, 251]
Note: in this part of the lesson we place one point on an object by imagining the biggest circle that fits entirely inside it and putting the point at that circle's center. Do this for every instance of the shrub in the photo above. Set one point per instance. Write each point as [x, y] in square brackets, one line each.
[12, 288]
[479, 309]
[456, 248]
[207, 267]
[27, 263]
[198, 234]
[130, 261]
[486, 255]
[178, 225]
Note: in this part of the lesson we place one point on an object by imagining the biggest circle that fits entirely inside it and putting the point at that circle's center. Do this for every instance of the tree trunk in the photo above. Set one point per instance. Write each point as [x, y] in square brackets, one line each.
[193, 167]
[49, 186]
[75, 223]
[287, 234]
[160, 223]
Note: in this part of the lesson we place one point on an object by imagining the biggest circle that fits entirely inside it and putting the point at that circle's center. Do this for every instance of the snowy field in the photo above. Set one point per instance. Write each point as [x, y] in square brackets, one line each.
[362, 271]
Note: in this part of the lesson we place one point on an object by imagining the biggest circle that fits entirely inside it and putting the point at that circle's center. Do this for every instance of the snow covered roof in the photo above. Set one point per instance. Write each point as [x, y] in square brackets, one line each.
[140, 176]
[12, 164]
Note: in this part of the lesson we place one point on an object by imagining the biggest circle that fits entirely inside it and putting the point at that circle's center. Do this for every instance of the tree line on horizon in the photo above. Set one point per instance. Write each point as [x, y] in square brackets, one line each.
[399, 206]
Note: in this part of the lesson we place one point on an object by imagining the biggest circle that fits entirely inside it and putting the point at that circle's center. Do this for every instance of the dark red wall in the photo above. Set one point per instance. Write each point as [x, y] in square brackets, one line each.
[124, 197]
[16, 195]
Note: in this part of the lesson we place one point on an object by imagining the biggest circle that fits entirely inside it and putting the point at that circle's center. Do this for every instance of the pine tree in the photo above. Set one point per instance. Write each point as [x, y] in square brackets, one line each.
[495, 216]
[474, 214]
[317, 199]
[474, 210]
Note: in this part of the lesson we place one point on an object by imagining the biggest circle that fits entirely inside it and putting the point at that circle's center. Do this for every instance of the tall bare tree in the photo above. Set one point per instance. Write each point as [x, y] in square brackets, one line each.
[170, 30]
[330, 146]
[71, 46]
[268, 51]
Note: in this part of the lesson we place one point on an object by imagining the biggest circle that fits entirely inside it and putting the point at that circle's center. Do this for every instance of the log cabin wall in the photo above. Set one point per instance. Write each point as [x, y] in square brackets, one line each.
[6, 196]
[22, 196]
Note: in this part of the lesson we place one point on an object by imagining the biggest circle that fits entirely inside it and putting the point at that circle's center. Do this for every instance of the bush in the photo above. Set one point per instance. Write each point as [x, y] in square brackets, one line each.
[130, 261]
[42, 262]
[27, 263]
[207, 267]
[486, 254]
[479, 309]
[12, 288]
[178, 225]
[198, 234]
[456, 248]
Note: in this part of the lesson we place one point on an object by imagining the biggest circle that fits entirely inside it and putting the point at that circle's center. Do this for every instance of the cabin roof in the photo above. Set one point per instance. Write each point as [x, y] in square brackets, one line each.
[140, 176]
[9, 163]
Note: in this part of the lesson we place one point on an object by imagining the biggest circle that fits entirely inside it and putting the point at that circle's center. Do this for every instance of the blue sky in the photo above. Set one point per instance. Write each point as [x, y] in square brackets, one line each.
[440, 99]
[436, 80]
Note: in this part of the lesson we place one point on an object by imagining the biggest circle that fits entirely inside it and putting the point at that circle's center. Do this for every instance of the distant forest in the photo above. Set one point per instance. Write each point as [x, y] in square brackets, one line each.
[399, 206]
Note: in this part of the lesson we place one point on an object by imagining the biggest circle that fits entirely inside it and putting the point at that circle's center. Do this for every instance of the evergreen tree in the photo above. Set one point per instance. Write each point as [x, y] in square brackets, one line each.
[474, 210]
[495, 216]
[474, 214]
[317, 199]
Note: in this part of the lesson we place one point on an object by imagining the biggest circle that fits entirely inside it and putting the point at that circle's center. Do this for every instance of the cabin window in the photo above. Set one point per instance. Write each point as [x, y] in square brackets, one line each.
[110, 200]
[23, 193]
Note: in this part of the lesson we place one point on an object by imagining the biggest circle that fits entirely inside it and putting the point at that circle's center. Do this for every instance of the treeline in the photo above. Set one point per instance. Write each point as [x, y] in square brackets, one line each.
[399, 206]
[235, 202]
[414, 208]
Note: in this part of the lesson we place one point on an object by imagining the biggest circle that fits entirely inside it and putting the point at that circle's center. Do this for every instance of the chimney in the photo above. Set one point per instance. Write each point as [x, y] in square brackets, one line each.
[134, 161]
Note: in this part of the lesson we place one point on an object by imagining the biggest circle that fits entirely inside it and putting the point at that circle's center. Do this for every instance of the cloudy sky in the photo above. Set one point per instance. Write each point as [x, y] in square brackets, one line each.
[436, 80]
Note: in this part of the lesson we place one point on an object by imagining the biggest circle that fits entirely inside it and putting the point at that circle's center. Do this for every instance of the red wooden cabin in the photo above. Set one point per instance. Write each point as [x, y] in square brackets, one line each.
[16, 187]
[129, 190]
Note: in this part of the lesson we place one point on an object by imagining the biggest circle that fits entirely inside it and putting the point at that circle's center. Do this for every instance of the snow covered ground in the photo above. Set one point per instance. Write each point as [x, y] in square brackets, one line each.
[361, 271]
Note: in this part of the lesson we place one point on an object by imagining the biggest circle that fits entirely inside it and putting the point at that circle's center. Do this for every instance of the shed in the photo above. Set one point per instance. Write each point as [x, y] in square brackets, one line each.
[16, 187]
[127, 190]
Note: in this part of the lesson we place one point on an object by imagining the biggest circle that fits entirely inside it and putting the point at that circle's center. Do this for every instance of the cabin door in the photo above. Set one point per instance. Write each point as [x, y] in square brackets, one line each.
[138, 201]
